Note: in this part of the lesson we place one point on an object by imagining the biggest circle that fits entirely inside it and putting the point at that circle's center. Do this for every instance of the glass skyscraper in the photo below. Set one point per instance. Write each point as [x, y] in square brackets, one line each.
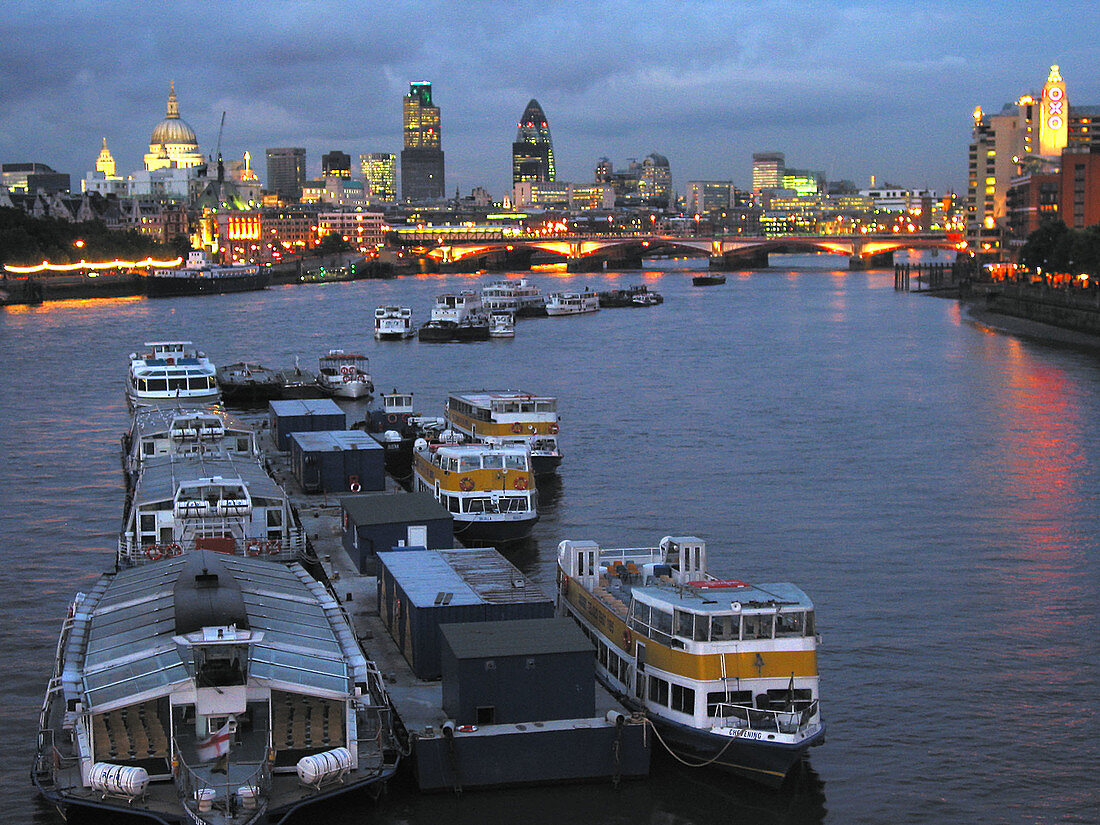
[422, 157]
[533, 151]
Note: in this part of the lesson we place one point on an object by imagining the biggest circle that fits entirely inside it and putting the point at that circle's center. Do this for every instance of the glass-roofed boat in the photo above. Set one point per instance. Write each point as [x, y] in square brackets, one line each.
[210, 689]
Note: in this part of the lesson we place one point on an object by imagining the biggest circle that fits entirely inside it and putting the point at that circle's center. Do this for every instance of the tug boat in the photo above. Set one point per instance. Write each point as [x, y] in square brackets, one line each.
[517, 296]
[396, 425]
[213, 690]
[171, 372]
[183, 503]
[509, 417]
[393, 324]
[489, 489]
[726, 671]
[345, 374]
[572, 303]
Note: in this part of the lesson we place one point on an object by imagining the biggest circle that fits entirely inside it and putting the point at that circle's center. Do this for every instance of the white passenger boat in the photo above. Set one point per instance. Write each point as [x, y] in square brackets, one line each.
[518, 296]
[502, 324]
[489, 489]
[725, 670]
[185, 431]
[171, 372]
[212, 690]
[183, 503]
[456, 317]
[345, 374]
[509, 417]
[572, 303]
[393, 323]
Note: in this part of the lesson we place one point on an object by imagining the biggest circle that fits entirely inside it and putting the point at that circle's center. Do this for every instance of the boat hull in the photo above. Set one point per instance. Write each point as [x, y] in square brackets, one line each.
[444, 331]
[708, 280]
[171, 287]
[542, 464]
[493, 531]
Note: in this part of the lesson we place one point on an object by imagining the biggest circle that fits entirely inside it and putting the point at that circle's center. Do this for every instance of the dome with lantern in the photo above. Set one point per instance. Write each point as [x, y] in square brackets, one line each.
[173, 142]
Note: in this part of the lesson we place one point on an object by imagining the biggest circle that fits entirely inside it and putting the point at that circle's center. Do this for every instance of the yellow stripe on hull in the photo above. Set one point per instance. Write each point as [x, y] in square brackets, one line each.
[482, 429]
[479, 480]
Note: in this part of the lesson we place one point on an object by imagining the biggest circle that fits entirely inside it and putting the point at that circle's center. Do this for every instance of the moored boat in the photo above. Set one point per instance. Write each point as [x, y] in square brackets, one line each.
[572, 303]
[248, 382]
[725, 670]
[489, 489]
[708, 279]
[212, 690]
[345, 374]
[509, 417]
[171, 372]
[396, 425]
[393, 323]
[198, 276]
[517, 296]
[502, 324]
[456, 317]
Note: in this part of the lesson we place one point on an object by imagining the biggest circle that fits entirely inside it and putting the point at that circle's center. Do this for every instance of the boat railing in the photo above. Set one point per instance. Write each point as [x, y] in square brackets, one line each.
[213, 797]
[748, 717]
[132, 553]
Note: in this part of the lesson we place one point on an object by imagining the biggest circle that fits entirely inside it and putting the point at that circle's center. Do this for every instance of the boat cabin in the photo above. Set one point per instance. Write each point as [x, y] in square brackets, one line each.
[171, 371]
[160, 431]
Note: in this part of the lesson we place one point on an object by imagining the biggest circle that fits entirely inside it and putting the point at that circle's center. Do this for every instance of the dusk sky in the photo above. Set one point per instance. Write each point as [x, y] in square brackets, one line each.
[851, 88]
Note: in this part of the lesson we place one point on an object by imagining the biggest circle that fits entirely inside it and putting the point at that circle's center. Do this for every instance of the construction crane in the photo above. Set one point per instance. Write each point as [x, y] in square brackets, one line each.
[218, 151]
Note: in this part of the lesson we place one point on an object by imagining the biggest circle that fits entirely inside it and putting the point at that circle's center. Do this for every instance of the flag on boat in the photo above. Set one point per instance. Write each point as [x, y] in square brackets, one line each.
[215, 745]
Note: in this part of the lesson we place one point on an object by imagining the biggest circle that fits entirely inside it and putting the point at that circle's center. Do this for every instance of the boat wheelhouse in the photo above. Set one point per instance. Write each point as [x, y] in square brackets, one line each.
[509, 417]
[725, 670]
[182, 503]
[162, 431]
[489, 489]
[517, 296]
[393, 323]
[456, 317]
[572, 303]
[171, 372]
[213, 690]
[345, 374]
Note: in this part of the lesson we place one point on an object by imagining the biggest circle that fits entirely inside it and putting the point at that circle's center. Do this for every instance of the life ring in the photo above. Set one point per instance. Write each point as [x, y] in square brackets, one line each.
[553, 429]
[173, 550]
[392, 418]
[274, 546]
[466, 728]
[517, 428]
[466, 484]
[520, 483]
[254, 548]
[356, 487]
[154, 552]
[628, 638]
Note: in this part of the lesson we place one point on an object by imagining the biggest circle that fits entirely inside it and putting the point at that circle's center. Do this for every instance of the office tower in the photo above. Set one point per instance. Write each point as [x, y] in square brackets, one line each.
[532, 150]
[286, 172]
[336, 164]
[379, 172]
[422, 157]
[767, 170]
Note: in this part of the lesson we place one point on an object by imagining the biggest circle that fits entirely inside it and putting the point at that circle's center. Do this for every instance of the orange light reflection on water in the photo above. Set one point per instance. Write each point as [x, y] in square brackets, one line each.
[70, 304]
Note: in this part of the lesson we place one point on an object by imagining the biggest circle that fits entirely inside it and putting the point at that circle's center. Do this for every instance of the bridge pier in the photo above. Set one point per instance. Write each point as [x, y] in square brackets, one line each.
[585, 265]
[736, 261]
[883, 260]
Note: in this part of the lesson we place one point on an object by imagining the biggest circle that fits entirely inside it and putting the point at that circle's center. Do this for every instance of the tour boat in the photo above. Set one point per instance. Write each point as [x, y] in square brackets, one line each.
[572, 303]
[162, 431]
[212, 690]
[247, 382]
[456, 317]
[509, 417]
[198, 276]
[517, 296]
[725, 670]
[171, 372]
[186, 502]
[502, 324]
[393, 323]
[345, 374]
[489, 489]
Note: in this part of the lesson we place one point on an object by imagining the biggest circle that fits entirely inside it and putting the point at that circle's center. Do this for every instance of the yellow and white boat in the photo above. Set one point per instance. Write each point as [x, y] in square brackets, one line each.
[726, 671]
[509, 417]
[488, 488]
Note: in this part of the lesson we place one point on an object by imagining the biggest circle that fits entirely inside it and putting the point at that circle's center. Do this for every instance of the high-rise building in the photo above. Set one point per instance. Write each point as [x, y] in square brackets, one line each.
[532, 150]
[336, 164]
[767, 171]
[655, 182]
[422, 156]
[286, 172]
[379, 173]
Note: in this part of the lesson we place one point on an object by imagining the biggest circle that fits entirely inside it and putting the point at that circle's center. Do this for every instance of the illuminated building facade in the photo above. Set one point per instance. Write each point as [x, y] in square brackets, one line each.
[173, 144]
[379, 173]
[363, 230]
[422, 155]
[33, 177]
[286, 172]
[767, 171]
[533, 150]
[705, 196]
[335, 164]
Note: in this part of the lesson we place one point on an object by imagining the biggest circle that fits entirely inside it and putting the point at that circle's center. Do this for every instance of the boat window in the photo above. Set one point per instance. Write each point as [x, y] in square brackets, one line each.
[662, 621]
[658, 690]
[758, 626]
[640, 611]
[682, 699]
[148, 447]
[702, 628]
[725, 628]
[148, 523]
[721, 703]
[685, 624]
[479, 505]
[274, 518]
[493, 461]
[468, 462]
[515, 462]
[158, 384]
[810, 626]
[601, 653]
[242, 445]
[790, 624]
[176, 383]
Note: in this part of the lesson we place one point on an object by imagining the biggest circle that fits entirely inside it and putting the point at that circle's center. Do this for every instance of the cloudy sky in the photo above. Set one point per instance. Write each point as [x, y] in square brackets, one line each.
[851, 88]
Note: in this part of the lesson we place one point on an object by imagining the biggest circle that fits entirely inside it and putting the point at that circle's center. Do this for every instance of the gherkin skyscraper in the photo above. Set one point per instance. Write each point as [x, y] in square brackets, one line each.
[533, 151]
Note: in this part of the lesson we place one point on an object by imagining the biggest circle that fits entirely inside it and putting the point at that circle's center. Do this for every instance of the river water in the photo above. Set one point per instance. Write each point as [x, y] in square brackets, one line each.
[930, 482]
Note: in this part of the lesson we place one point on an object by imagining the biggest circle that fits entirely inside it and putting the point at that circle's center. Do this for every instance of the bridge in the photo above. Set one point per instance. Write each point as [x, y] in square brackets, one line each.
[507, 248]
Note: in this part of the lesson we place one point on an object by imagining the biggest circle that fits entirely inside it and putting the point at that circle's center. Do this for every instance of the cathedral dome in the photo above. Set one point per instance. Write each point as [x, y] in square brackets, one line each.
[173, 130]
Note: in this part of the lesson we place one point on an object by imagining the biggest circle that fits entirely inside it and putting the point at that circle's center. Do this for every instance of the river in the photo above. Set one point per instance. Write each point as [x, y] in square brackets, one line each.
[930, 482]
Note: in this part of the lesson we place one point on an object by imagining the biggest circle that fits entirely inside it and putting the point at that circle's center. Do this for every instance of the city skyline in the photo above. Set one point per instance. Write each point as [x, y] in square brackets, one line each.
[854, 89]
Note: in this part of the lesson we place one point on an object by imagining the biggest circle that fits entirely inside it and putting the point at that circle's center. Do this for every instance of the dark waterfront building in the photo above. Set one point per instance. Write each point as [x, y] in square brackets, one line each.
[533, 150]
[422, 157]
[33, 178]
[336, 164]
[286, 172]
